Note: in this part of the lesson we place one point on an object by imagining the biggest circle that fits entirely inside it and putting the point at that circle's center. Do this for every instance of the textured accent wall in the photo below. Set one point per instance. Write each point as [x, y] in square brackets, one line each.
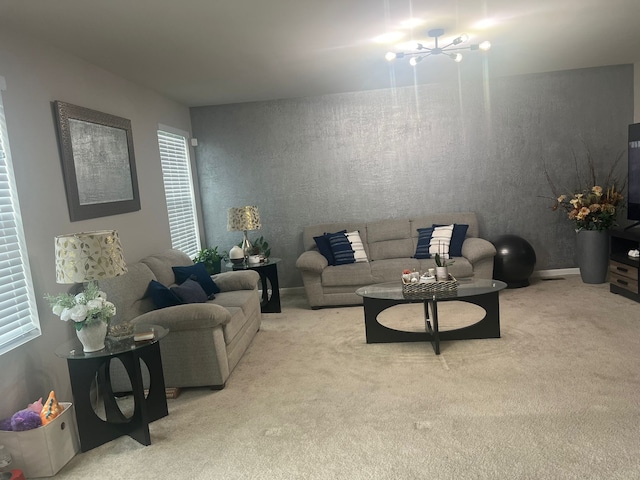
[397, 153]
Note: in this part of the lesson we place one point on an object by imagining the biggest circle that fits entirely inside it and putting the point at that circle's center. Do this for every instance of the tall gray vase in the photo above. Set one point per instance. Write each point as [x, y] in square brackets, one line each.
[593, 255]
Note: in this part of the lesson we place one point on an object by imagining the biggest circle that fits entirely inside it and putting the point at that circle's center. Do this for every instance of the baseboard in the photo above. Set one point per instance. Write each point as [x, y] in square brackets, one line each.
[558, 272]
[170, 392]
[292, 291]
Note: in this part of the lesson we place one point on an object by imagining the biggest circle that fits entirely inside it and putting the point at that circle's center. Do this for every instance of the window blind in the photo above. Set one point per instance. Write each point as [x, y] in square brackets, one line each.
[178, 188]
[19, 321]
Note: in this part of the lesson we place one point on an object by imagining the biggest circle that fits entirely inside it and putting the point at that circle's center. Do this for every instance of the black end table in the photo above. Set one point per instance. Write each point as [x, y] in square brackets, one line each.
[84, 368]
[268, 275]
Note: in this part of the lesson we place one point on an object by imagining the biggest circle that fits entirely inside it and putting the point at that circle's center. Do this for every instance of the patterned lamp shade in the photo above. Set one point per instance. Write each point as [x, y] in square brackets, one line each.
[82, 257]
[243, 218]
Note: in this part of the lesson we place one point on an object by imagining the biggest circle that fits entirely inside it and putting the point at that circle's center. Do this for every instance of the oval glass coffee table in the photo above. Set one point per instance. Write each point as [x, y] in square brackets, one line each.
[481, 292]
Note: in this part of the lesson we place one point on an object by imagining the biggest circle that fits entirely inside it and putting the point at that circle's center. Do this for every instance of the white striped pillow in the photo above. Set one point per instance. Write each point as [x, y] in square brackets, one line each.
[358, 248]
[440, 240]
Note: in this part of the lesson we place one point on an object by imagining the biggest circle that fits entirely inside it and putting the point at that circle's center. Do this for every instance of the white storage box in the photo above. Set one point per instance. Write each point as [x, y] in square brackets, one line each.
[43, 451]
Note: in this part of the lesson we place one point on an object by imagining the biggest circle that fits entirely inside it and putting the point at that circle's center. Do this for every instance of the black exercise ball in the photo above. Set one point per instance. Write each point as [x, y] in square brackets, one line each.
[514, 261]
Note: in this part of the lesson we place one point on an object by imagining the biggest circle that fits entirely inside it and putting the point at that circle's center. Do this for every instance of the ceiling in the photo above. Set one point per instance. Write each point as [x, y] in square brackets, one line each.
[206, 52]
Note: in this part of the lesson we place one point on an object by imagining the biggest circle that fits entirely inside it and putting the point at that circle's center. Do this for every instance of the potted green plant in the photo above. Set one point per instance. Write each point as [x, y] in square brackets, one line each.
[261, 247]
[442, 268]
[211, 258]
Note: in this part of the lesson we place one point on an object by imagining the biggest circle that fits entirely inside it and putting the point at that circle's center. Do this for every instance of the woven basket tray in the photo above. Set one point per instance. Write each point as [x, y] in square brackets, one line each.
[433, 287]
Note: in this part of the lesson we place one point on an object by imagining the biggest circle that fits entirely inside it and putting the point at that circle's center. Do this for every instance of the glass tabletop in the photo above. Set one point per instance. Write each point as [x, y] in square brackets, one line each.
[466, 288]
[72, 349]
[244, 266]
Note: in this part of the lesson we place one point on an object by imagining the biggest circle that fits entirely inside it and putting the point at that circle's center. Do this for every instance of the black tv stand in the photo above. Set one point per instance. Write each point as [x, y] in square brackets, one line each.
[623, 269]
[629, 227]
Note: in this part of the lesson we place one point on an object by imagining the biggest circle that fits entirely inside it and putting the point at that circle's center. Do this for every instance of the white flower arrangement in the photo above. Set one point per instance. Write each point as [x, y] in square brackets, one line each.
[84, 308]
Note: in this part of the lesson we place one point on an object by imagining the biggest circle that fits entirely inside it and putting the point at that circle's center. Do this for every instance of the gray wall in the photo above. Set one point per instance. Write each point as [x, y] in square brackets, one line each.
[36, 75]
[403, 152]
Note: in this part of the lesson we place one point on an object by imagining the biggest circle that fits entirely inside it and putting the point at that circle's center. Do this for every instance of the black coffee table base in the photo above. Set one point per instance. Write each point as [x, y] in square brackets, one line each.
[488, 327]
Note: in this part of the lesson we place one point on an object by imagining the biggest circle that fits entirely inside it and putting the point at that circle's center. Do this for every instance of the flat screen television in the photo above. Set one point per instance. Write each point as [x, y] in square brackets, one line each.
[633, 186]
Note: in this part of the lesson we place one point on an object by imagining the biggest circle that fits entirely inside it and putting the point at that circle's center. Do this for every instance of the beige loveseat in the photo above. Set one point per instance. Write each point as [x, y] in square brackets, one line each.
[205, 340]
[390, 246]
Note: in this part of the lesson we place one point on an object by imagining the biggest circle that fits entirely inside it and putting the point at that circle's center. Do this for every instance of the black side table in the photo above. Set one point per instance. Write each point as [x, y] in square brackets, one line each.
[84, 368]
[268, 273]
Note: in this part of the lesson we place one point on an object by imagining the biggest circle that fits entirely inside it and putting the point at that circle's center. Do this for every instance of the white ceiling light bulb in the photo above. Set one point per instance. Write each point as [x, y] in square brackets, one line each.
[451, 50]
[461, 39]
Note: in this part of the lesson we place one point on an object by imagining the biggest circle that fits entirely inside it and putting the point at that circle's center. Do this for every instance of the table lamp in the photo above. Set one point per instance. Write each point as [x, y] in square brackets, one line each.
[244, 219]
[87, 257]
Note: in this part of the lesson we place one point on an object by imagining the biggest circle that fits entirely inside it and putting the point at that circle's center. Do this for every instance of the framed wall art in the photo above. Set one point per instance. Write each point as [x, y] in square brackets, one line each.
[98, 162]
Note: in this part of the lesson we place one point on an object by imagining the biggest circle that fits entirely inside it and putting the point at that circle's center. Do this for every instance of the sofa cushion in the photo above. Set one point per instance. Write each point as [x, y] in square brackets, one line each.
[128, 292]
[351, 274]
[461, 267]
[341, 249]
[401, 248]
[162, 296]
[389, 239]
[384, 230]
[190, 291]
[182, 273]
[358, 248]
[160, 264]
[390, 269]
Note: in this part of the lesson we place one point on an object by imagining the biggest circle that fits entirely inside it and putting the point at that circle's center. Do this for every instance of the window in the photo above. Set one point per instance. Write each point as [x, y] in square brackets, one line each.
[178, 189]
[18, 312]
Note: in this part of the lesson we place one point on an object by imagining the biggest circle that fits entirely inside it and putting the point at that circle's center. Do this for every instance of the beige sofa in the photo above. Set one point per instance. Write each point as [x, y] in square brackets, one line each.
[390, 246]
[205, 340]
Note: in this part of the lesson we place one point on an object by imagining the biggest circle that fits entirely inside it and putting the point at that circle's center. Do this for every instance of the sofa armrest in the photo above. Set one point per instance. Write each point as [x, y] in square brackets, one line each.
[193, 316]
[237, 280]
[475, 249]
[312, 261]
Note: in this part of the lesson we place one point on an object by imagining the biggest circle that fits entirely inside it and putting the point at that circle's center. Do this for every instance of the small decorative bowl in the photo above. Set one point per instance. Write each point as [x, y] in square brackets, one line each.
[121, 331]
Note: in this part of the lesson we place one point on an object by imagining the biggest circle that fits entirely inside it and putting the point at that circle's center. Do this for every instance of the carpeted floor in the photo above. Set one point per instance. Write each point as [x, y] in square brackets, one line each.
[557, 397]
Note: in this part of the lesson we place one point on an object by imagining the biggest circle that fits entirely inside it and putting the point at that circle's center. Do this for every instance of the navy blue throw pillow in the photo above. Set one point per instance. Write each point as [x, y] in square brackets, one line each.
[324, 248]
[424, 239]
[162, 297]
[457, 238]
[190, 291]
[201, 274]
[341, 249]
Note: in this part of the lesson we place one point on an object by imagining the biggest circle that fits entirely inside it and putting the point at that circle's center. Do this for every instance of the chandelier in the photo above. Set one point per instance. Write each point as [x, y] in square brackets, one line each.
[451, 50]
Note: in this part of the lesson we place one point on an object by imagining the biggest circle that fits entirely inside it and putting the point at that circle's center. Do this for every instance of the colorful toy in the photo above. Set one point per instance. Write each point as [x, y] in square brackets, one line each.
[5, 424]
[51, 409]
[25, 420]
[36, 406]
